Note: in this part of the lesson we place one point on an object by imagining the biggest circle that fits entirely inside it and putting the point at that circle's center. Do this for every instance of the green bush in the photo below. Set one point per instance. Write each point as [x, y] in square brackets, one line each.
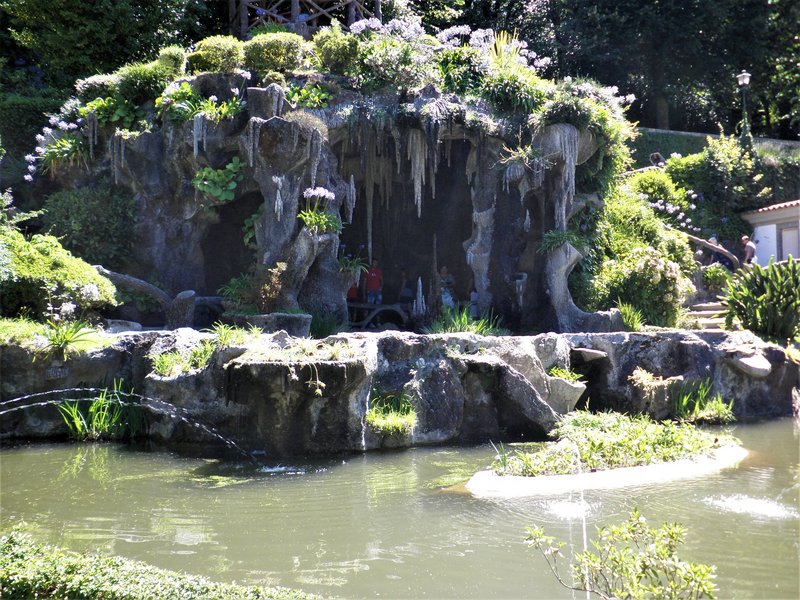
[336, 51]
[114, 110]
[68, 149]
[391, 414]
[514, 89]
[143, 82]
[632, 561]
[217, 54]
[568, 108]
[220, 184]
[96, 86]
[174, 57]
[461, 69]
[716, 277]
[95, 223]
[648, 281]
[727, 175]
[311, 95]
[386, 61]
[766, 300]
[40, 267]
[282, 52]
[29, 570]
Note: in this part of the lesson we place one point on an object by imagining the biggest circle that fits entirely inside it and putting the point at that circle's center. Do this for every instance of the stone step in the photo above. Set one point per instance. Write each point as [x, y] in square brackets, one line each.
[703, 306]
[701, 314]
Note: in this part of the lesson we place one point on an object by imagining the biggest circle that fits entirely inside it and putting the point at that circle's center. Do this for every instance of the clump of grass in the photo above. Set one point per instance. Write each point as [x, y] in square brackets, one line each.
[20, 331]
[232, 335]
[391, 414]
[632, 317]
[460, 321]
[175, 362]
[599, 441]
[556, 371]
[694, 403]
[66, 337]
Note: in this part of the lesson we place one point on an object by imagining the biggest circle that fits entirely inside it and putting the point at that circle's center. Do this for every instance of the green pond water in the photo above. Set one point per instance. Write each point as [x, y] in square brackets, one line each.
[389, 524]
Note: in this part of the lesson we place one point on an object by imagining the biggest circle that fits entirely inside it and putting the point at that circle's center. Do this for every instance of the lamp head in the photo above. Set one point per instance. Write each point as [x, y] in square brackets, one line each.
[743, 78]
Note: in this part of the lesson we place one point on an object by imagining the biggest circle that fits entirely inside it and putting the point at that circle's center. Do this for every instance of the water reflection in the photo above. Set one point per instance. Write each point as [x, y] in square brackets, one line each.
[391, 524]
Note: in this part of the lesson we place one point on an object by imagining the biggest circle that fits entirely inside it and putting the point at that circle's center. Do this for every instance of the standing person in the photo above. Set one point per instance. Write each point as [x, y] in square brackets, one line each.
[749, 250]
[446, 285]
[406, 295]
[373, 281]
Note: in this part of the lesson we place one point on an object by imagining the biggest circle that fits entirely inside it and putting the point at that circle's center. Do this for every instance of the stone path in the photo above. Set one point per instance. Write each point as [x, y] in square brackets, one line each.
[708, 315]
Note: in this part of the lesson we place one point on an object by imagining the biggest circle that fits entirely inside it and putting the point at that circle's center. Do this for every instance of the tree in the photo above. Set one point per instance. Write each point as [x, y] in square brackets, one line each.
[74, 38]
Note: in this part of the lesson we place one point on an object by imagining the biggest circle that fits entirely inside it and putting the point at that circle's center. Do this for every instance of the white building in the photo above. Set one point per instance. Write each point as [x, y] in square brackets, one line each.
[776, 230]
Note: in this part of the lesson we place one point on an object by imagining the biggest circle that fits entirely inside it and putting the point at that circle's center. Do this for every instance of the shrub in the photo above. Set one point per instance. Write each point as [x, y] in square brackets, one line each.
[319, 221]
[461, 69]
[174, 57]
[766, 300]
[567, 108]
[648, 281]
[716, 277]
[336, 51]
[96, 86]
[726, 174]
[143, 82]
[633, 561]
[514, 88]
[28, 569]
[220, 184]
[69, 149]
[280, 52]
[322, 326]
[40, 267]
[95, 223]
[311, 95]
[387, 61]
[217, 54]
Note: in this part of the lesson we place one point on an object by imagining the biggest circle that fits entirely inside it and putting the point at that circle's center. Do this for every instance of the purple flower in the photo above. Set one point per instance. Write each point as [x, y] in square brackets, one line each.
[212, 98]
[260, 12]
[63, 125]
[319, 192]
[30, 158]
[40, 138]
[28, 178]
[72, 126]
[246, 75]
[53, 120]
[32, 168]
[47, 131]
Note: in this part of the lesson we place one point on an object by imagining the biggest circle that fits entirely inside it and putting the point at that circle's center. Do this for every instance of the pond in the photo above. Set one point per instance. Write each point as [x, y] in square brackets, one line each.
[392, 524]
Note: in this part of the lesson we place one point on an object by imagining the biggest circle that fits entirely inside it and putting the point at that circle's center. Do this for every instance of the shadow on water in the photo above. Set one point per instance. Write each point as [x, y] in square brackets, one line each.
[128, 399]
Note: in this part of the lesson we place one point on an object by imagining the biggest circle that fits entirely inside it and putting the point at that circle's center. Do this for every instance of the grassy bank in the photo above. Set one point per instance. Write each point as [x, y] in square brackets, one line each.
[30, 570]
[587, 442]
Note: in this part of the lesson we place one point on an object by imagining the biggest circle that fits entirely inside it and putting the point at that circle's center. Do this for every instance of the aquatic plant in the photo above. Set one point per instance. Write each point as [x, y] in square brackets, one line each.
[104, 417]
[391, 413]
[632, 561]
[597, 441]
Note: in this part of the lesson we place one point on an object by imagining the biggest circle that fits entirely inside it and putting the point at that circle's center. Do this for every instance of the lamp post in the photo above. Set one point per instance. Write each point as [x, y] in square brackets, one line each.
[744, 84]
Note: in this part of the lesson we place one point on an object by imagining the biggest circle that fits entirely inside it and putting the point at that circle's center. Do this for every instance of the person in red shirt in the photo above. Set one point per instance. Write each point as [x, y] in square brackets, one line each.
[373, 281]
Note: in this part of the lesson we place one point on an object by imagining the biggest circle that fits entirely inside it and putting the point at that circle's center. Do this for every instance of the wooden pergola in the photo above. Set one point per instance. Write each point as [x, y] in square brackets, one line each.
[246, 14]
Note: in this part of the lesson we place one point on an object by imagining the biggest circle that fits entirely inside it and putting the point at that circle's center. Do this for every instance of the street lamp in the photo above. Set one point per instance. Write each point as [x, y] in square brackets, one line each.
[744, 84]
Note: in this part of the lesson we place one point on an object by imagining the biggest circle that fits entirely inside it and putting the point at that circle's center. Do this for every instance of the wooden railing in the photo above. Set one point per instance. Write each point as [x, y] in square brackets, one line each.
[246, 14]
